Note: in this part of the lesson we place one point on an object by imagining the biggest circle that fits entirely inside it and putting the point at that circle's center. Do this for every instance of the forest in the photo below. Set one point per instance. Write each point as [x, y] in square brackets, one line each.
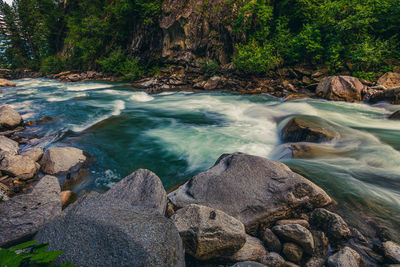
[52, 36]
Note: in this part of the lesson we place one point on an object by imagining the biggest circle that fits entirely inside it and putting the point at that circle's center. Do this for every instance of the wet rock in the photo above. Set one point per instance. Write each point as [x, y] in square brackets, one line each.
[292, 252]
[391, 95]
[142, 188]
[35, 154]
[395, 116]
[296, 233]
[71, 182]
[253, 250]
[321, 243]
[67, 198]
[315, 262]
[45, 119]
[212, 83]
[9, 118]
[209, 233]
[308, 129]
[392, 251]
[343, 88]
[248, 264]
[268, 190]
[8, 146]
[23, 215]
[302, 222]
[272, 259]
[389, 80]
[331, 223]
[4, 82]
[271, 241]
[113, 233]
[61, 160]
[305, 150]
[346, 257]
[19, 166]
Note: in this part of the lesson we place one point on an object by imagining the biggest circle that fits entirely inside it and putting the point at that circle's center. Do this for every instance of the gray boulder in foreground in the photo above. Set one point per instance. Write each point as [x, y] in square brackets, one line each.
[61, 160]
[209, 233]
[252, 189]
[113, 233]
[23, 215]
[140, 188]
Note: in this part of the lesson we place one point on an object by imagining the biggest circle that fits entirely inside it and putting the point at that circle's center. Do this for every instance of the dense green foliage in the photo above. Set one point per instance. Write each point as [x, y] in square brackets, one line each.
[52, 36]
[30, 254]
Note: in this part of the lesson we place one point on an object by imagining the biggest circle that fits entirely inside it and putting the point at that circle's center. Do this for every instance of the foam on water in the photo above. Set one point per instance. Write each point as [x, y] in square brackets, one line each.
[86, 86]
[141, 97]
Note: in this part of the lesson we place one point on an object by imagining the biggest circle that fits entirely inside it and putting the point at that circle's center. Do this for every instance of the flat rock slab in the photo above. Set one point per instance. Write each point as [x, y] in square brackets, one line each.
[9, 118]
[208, 233]
[141, 188]
[62, 160]
[23, 215]
[113, 233]
[252, 189]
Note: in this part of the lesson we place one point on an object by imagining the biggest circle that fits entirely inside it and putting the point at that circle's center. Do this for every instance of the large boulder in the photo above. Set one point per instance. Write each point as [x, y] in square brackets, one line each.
[4, 82]
[331, 223]
[9, 118]
[62, 160]
[308, 129]
[19, 166]
[392, 251]
[141, 188]
[252, 189]
[346, 257]
[389, 80]
[23, 215]
[296, 233]
[113, 233]
[343, 88]
[209, 233]
[8, 146]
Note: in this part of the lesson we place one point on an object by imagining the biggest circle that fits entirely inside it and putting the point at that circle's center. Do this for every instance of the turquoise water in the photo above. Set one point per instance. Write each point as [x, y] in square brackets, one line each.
[177, 135]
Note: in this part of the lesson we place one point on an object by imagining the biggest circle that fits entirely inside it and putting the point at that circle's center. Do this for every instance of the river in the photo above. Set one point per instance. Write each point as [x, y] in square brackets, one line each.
[178, 134]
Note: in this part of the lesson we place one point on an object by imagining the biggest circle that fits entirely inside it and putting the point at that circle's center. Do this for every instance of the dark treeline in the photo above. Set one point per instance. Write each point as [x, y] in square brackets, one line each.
[52, 36]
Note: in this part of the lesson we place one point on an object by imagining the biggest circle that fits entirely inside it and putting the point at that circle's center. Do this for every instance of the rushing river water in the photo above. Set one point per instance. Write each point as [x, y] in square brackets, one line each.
[177, 135]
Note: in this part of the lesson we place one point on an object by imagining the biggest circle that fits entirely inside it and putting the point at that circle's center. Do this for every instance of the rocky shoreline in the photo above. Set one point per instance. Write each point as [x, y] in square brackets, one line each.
[243, 211]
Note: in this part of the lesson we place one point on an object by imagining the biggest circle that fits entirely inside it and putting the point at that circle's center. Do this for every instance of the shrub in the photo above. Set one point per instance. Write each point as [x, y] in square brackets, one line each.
[119, 64]
[53, 64]
[210, 67]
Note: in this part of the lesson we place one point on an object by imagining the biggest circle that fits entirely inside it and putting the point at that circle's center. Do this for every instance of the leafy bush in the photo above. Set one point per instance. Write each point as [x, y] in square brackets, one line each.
[33, 255]
[119, 64]
[53, 64]
[210, 67]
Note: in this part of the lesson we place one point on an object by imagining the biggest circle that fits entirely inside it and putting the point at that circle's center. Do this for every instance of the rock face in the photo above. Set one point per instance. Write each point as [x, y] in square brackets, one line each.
[389, 80]
[19, 166]
[392, 251]
[252, 189]
[308, 129]
[8, 146]
[253, 250]
[4, 82]
[142, 188]
[296, 233]
[60, 160]
[346, 257]
[343, 88]
[9, 118]
[331, 223]
[197, 29]
[209, 233]
[113, 233]
[23, 215]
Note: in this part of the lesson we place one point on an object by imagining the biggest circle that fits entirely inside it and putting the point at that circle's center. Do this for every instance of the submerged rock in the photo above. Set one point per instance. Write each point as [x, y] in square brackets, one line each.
[392, 251]
[296, 233]
[305, 150]
[343, 88]
[113, 233]
[61, 160]
[252, 189]
[9, 118]
[389, 80]
[141, 188]
[346, 257]
[8, 146]
[308, 129]
[253, 250]
[23, 215]
[4, 82]
[331, 223]
[209, 233]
